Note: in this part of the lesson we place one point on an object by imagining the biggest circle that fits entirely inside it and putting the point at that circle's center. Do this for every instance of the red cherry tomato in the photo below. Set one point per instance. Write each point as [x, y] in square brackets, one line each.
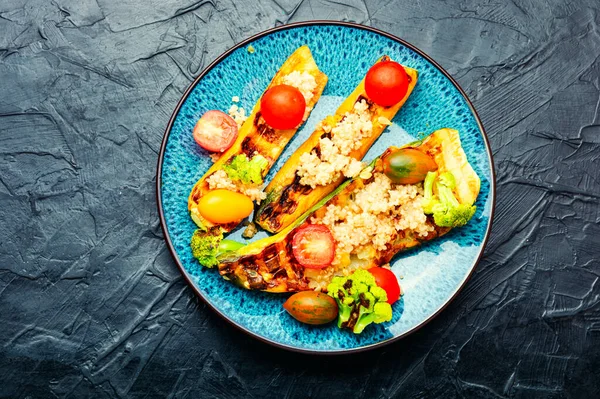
[313, 246]
[388, 281]
[386, 83]
[215, 131]
[283, 107]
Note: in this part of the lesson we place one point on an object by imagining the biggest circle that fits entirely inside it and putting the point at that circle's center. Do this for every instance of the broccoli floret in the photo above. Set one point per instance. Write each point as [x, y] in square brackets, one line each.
[379, 294]
[205, 246]
[360, 301]
[447, 179]
[382, 312]
[429, 199]
[246, 171]
[340, 289]
[445, 208]
[454, 217]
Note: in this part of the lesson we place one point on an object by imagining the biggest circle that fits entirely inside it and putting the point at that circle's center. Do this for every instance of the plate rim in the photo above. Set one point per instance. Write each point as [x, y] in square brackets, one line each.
[187, 276]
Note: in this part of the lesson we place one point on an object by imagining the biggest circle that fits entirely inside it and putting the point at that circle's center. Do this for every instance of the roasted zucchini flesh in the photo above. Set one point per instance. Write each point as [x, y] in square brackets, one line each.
[269, 264]
[256, 137]
[289, 195]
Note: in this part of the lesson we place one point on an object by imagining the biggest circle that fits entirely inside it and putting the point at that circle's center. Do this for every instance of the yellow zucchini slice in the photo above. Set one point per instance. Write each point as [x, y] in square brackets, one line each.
[287, 198]
[256, 137]
[269, 265]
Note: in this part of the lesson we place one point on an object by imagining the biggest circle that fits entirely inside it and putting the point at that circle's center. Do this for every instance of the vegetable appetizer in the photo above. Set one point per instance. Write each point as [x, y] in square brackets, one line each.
[338, 221]
[366, 220]
[224, 195]
[334, 150]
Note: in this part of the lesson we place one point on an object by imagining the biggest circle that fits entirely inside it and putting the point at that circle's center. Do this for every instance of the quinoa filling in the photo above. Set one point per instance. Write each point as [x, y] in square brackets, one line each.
[303, 81]
[319, 168]
[368, 220]
[220, 180]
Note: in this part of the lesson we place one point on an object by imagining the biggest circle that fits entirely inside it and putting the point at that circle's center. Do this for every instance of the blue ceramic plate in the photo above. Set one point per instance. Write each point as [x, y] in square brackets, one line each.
[430, 275]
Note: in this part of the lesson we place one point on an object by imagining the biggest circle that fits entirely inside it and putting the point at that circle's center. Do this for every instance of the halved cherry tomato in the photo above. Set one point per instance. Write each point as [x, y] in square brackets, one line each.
[313, 246]
[386, 83]
[388, 281]
[283, 107]
[224, 206]
[215, 131]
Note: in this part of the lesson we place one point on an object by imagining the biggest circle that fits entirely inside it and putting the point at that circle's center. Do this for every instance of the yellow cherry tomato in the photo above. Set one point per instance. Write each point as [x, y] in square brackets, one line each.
[224, 206]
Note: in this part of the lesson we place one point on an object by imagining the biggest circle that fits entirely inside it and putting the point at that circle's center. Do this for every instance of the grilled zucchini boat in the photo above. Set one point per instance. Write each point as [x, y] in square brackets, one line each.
[371, 219]
[330, 155]
[255, 137]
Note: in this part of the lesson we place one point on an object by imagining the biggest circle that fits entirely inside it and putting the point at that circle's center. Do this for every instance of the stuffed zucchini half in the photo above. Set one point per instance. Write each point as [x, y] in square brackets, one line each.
[331, 154]
[370, 218]
[240, 171]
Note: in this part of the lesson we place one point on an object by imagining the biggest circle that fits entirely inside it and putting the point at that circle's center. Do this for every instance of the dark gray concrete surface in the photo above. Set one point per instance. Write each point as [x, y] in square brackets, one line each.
[91, 302]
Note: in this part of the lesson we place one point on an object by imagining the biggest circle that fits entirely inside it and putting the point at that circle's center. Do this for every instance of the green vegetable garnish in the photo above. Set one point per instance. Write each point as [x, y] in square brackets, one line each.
[445, 208]
[246, 171]
[360, 301]
[208, 245]
[228, 246]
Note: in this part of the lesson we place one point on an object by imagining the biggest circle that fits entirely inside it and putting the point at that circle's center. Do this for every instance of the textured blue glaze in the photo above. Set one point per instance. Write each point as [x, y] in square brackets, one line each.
[429, 275]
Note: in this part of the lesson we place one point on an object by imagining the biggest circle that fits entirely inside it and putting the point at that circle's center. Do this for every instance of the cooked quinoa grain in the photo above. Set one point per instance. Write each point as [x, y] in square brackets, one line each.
[334, 159]
[219, 179]
[303, 81]
[382, 120]
[367, 223]
[238, 114]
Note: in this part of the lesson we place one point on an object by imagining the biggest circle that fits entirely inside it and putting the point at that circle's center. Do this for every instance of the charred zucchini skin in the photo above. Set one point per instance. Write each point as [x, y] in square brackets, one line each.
[269, 265]
[287, 199]
[256, 136]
